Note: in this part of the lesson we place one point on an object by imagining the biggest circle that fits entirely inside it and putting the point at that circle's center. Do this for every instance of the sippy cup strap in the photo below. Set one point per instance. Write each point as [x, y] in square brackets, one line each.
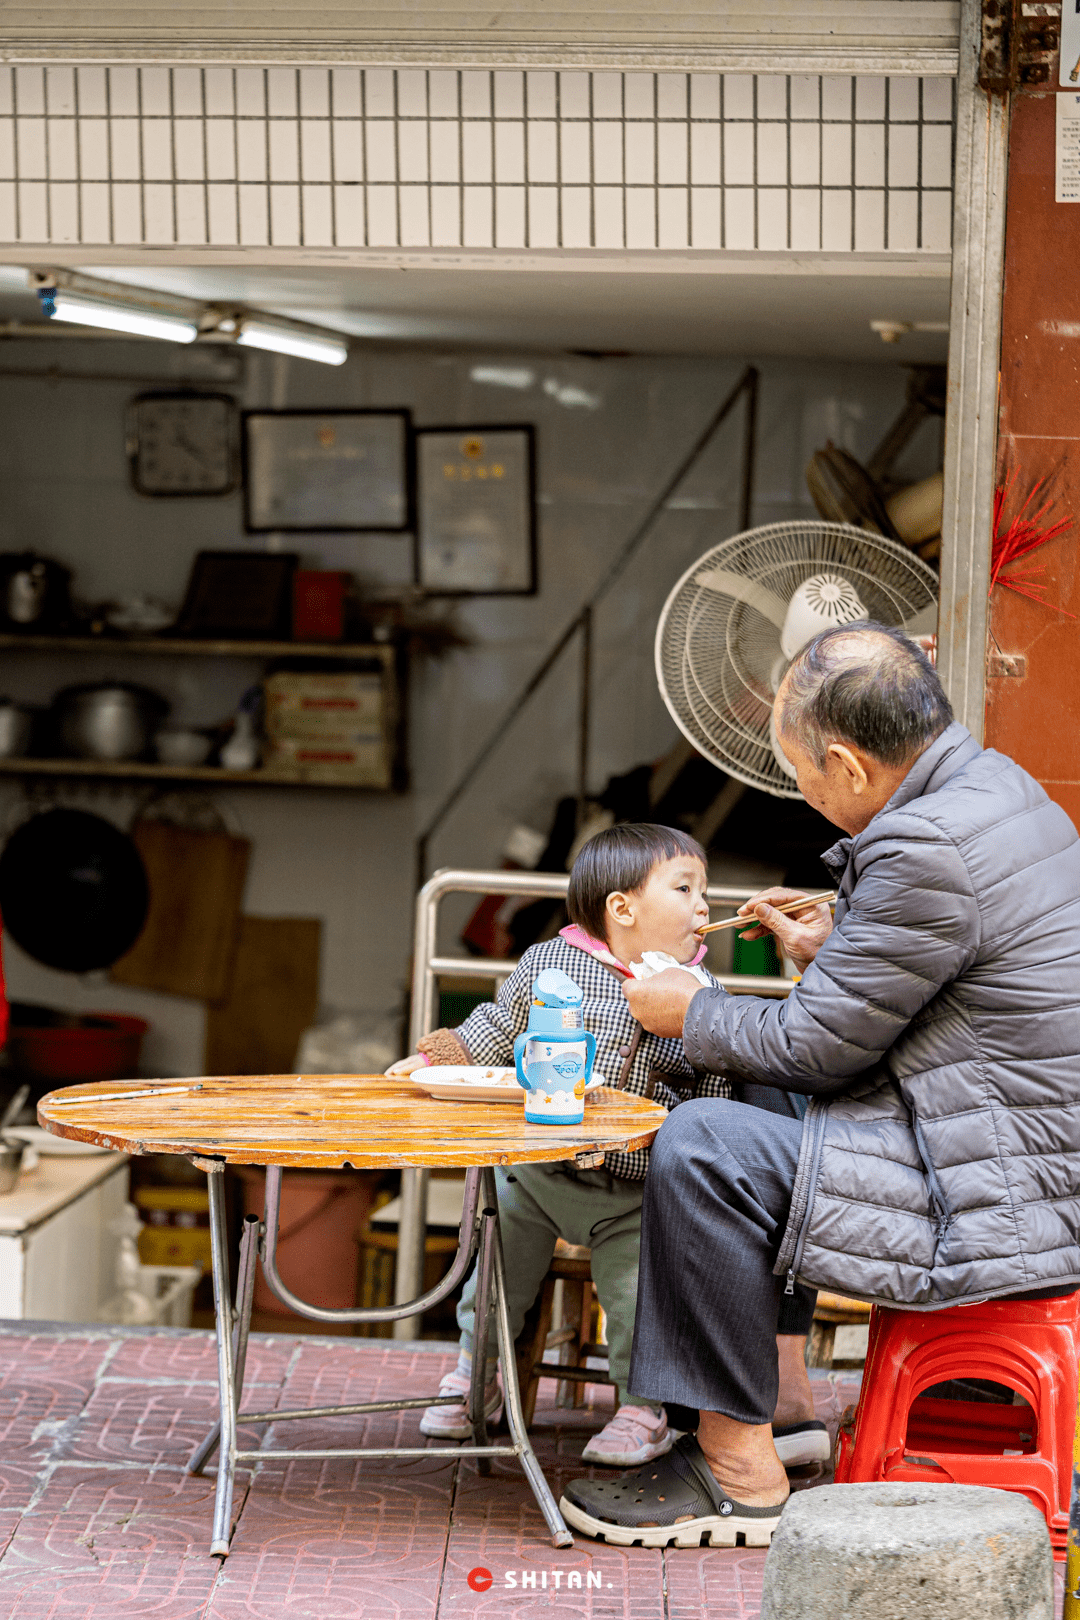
[624, 1072]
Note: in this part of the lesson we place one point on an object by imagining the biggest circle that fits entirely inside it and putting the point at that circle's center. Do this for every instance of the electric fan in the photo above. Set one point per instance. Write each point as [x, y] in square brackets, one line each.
[735, 620]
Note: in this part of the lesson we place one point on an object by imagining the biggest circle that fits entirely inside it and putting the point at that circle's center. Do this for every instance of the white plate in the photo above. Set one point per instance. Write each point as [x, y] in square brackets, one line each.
[475, 1083]
[53, 1147]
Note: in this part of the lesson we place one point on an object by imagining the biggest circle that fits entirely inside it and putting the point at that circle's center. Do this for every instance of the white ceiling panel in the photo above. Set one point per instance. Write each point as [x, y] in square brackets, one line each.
[799, 308]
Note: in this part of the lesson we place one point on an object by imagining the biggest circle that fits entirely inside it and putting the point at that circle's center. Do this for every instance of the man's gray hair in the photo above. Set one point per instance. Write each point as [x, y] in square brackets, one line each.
[867, 685]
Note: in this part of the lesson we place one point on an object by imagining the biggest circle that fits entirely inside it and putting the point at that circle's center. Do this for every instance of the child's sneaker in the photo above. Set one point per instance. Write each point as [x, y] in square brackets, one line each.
[452, 1422]
[636, 1434]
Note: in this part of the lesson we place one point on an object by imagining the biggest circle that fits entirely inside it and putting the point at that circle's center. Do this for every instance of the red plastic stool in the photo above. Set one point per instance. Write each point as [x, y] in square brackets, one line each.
[1032, 1346]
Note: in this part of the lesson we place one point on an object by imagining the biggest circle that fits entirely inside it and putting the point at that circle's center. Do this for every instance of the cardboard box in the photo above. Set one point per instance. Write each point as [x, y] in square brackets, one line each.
[184, 1201]
[318, 705]
[355, 761]
[175, 1246]
[177, 1230]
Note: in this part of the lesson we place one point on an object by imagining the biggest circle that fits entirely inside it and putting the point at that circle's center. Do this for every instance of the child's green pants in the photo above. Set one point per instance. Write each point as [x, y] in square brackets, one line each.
[541, 1202]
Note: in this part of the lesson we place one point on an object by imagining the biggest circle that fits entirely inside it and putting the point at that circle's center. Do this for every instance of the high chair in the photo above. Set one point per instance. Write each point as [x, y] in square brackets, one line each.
[571, 1263]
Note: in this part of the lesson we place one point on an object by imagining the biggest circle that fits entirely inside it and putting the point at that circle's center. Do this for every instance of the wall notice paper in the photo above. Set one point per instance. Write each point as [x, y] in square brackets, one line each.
[1067, 147]
[1069, 70]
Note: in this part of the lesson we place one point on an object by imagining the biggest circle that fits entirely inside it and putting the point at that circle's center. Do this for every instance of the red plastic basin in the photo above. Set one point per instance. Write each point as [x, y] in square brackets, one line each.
[111, 1053]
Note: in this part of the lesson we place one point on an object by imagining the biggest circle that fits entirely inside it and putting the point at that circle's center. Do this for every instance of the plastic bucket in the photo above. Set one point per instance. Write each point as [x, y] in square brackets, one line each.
[323, 1214]
[82, 1053]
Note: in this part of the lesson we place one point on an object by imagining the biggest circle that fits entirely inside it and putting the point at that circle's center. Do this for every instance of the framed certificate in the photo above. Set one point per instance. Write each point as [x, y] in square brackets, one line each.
[326, 470]
[476, 511]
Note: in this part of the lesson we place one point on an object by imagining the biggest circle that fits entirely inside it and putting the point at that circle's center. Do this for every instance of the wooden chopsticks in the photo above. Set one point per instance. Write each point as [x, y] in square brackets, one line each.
[790, 905]
[121, 1096]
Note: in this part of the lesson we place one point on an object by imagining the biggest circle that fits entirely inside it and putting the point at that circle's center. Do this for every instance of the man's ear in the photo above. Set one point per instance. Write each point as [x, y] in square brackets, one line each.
[851, 765]
[619, 910]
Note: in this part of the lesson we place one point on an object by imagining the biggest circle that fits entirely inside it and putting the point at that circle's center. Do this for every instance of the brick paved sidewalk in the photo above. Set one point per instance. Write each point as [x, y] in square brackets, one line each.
[98, 1518]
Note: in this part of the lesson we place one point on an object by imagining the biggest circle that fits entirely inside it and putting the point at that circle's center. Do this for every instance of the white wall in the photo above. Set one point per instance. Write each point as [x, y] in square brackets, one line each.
[609, 432]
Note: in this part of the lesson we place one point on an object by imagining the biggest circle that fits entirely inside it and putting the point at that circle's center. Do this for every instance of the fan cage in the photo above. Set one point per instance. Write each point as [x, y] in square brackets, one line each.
[718, 658]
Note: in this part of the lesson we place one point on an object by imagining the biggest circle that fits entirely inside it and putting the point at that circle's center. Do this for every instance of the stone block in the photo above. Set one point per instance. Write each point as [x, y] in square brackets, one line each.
[898, 1551]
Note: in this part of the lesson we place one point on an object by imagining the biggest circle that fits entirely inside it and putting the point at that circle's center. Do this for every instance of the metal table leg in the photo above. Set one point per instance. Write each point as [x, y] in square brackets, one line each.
[245, 1291]
[560, 1535]
[479, 1230]
[223, 1315]
[481, 1315]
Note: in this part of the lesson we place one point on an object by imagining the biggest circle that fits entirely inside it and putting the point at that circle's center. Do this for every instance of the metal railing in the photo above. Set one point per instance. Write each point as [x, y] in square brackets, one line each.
[429, 968]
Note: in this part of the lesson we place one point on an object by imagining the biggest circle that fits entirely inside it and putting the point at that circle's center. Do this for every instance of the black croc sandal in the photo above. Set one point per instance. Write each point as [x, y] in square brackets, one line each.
[673, 1501]
[800, 1443]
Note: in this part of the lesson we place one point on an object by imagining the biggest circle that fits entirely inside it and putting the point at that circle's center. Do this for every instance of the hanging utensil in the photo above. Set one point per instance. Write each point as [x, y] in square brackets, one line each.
[14, 1108]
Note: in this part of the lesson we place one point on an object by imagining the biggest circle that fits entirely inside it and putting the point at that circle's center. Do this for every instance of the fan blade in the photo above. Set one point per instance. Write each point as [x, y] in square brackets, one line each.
[745, 590]
[778, 753]
[923, 623]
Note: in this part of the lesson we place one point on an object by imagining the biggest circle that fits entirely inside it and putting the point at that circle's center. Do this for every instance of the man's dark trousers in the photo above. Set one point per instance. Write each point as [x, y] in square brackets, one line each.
[717, 1199]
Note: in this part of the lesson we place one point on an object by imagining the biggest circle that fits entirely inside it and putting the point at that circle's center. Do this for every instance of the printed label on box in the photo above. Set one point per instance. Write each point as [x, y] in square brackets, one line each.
[303, 705]
[331, 759]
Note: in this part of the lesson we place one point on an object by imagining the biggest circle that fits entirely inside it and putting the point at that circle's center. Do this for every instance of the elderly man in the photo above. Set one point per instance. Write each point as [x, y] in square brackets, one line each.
[936, 1029]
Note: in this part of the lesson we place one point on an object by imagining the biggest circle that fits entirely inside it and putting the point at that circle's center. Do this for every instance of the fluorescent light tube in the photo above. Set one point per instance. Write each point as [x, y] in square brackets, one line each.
[503, 376]
[332, 351]
[122, 318]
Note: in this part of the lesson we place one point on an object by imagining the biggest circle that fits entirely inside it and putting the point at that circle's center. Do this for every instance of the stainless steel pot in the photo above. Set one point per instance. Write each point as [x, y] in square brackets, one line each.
[108, 722]
[11, 1158]
[14, 730]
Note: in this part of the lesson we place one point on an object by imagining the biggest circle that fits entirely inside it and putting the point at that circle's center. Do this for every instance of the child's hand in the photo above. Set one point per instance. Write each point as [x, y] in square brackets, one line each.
[406, 1065]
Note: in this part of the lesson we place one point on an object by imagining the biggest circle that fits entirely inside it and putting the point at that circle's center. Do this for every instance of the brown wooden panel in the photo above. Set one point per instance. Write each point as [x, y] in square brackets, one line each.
[1036, 718]
[274, 997]
[324, 1121]
[188, 946]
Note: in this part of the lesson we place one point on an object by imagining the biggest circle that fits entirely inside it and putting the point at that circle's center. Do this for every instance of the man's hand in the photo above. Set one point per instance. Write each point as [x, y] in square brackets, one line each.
[660, 1004]
[801, 933]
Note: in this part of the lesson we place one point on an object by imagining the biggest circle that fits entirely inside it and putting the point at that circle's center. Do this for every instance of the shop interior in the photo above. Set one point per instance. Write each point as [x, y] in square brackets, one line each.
[256, 873]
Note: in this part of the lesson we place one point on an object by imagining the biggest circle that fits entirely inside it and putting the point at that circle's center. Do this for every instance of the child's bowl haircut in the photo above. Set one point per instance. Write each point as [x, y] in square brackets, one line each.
[618, 861]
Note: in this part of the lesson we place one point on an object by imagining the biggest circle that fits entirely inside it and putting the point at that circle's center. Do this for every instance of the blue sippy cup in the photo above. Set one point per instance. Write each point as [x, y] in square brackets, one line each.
[554, 1057]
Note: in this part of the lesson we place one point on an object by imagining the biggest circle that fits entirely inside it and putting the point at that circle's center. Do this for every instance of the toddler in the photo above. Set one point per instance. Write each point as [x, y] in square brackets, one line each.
[633, 889]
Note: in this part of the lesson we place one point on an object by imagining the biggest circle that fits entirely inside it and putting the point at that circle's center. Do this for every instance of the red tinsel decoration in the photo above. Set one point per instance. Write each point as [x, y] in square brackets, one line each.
[1025, 533]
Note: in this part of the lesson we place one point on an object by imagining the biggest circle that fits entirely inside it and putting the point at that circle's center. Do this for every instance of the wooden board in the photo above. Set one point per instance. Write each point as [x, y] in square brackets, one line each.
[274, 997]
[189, 943]
[325, 1121]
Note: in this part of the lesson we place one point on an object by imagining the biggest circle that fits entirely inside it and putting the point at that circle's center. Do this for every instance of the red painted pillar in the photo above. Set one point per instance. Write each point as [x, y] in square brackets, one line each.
[1035, 717]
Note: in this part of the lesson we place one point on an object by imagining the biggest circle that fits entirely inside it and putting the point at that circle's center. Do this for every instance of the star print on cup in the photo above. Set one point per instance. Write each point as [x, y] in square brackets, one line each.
[479, 1579]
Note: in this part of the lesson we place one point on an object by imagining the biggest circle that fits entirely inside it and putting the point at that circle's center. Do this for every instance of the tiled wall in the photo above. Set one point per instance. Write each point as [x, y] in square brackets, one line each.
[351, 157]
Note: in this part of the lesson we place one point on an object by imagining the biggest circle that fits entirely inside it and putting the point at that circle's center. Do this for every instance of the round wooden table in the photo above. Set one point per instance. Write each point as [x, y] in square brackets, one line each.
[328, 1122]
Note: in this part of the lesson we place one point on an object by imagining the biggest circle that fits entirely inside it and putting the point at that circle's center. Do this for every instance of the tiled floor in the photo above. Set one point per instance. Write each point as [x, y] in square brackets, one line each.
[99, 1519]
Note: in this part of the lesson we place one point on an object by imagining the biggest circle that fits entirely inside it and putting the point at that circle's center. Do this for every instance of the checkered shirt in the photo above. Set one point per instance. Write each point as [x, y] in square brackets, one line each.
[488, 1036]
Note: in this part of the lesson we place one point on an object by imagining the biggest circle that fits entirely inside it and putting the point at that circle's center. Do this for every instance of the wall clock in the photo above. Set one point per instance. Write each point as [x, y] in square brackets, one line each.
[184, 444]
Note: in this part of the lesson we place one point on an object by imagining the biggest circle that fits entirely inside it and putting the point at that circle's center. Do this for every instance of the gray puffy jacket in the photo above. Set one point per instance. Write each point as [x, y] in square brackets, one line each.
[938, 1035]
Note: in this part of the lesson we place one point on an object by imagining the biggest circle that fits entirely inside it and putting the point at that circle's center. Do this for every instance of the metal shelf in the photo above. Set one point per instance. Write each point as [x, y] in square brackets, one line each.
[166, 646]
[383, 653]
[137, 770]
